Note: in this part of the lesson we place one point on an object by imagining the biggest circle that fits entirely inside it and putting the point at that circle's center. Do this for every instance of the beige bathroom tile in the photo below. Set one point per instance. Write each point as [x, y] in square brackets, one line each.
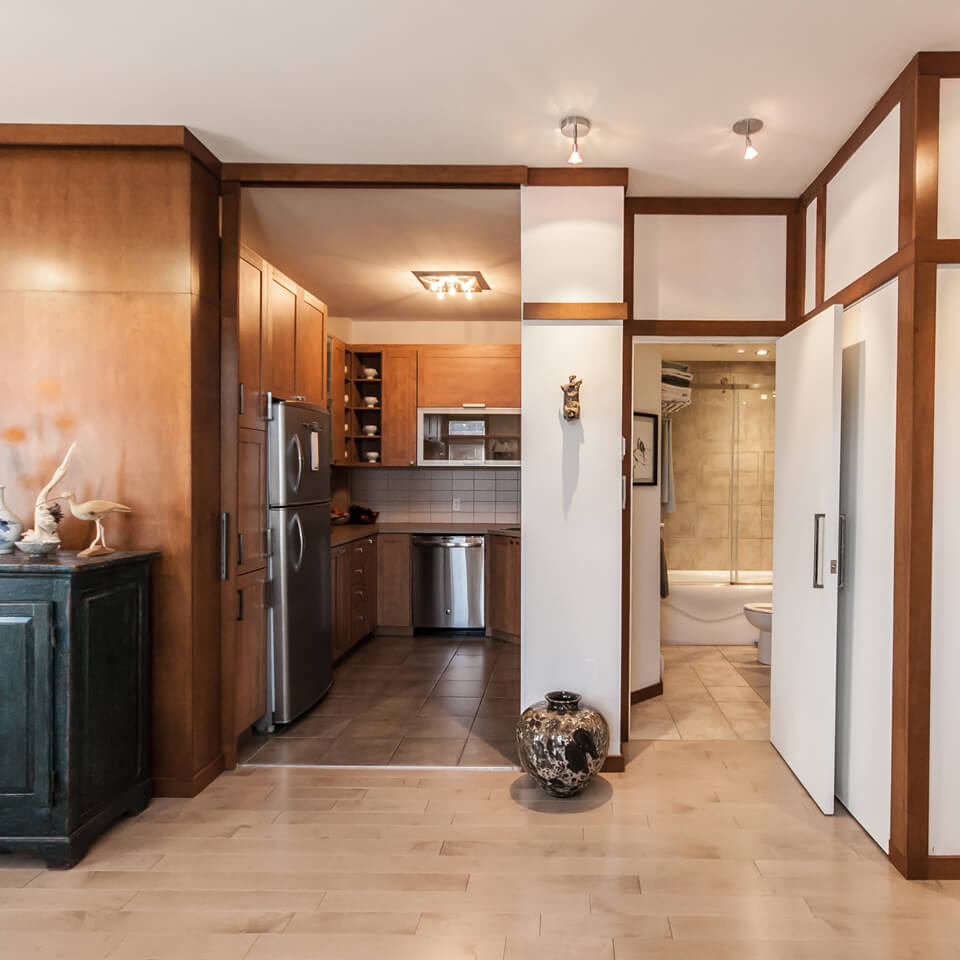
[713, 488]
[749, 521]
[712, 554]
[700, 721]
[682, 522]
[681, 554]
[713, 522]
[651, 720]
[766, 521]
[750, 720]
[748, 487]
[684, 486]
[753, 556]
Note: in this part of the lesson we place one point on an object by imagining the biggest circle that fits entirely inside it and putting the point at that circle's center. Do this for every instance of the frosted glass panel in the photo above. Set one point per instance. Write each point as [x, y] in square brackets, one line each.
[948, 196]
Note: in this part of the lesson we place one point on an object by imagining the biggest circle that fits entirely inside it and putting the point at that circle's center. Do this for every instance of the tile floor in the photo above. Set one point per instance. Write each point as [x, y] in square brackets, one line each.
[709, 693]
[428, 700]
[697, 852]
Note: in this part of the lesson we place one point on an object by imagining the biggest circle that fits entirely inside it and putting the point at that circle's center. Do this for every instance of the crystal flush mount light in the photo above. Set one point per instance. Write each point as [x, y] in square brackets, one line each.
[744, 128]
[452, 282]
[574, 128]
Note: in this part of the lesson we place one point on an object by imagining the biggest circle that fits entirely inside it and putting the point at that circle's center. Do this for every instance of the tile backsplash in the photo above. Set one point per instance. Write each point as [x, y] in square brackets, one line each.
[403, 494]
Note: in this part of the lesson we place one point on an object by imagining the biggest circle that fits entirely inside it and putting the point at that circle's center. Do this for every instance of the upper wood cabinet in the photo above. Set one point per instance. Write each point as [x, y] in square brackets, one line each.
[311, 349]
[251, 290]
[339, 426]
[451, 376]
[399, 406]
[280, 337]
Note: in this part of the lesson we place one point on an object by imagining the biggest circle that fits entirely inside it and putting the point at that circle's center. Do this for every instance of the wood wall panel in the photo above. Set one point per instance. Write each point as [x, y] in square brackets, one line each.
[105, 295]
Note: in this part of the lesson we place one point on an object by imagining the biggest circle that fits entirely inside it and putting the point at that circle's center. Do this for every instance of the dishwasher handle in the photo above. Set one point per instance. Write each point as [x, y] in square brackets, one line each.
[447, 542]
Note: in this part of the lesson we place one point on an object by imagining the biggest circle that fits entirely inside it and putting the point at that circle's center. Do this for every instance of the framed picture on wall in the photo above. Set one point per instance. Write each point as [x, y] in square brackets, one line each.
[646, 436]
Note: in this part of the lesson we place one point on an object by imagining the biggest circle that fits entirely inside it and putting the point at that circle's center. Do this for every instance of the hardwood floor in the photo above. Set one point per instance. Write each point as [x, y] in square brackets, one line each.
[442, 700]
[709, 693]
[700, 850]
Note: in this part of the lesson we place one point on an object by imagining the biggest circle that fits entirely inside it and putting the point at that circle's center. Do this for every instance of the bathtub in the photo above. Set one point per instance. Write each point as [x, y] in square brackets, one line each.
[705, 608]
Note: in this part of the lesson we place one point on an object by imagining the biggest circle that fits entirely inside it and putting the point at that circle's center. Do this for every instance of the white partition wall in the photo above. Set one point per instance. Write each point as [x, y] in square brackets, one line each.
[945, 599]
[810, 257]
[865, 615]
[863, 208]
[948, 192]
[572, 250]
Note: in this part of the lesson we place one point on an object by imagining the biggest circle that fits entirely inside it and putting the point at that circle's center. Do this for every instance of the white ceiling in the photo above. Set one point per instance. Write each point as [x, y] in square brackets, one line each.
[427, 81]
[719, 352]
[356, 248]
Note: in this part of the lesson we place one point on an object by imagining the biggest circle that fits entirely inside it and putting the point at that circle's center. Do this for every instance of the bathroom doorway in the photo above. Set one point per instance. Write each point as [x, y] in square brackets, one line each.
[703, 540]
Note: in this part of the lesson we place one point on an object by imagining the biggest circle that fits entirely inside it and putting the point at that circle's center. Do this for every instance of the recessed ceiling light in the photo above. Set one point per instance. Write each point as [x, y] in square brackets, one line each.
[574, 128]
[744, 128]
[762, 353]
[763, 396]
[442, 282]
[741, 350]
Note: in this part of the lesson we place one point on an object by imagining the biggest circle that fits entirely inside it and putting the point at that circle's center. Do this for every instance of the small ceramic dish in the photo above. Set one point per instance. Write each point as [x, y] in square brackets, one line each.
[370, 430]
[35, 548]
[370, 401]
[372, 456]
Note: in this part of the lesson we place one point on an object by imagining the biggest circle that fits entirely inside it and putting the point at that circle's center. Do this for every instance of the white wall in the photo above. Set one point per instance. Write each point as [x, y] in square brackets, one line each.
[948, 196]
[645, 536]
[435, 331]
[709, 268]
[340, 327]
[945, 650]
[810, 258]
[865, 614]
[863, 208]
[570, 501]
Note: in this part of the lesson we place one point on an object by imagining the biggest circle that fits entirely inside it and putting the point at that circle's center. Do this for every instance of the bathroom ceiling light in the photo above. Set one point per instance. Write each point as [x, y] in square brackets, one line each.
[442, 282]
[762, 352]
[574, 128]
[744, 128]
[741, 350]
[763, 396]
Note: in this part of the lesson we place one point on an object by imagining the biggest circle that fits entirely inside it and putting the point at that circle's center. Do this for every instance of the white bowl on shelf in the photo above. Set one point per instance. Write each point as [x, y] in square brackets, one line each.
[372, 456]
[370, 373]
[370, 430]
[371, 401]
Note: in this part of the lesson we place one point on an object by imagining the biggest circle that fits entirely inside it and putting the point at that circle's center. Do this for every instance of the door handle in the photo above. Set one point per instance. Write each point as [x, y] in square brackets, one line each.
[299, 526]
[239, 549]
[224, 545]
[299, 448]
[842, 552]
[819, 523]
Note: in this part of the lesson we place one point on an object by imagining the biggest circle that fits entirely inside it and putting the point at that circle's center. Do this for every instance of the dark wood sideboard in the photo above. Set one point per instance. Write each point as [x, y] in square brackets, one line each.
[74, 699]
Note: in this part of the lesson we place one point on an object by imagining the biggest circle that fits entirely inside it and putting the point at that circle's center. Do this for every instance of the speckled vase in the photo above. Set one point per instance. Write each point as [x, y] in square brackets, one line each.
[10, 526]
[562, 743]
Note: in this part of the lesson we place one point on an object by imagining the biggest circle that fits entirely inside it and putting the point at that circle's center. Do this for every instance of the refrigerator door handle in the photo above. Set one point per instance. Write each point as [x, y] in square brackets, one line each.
[296, 522]
[299, 448]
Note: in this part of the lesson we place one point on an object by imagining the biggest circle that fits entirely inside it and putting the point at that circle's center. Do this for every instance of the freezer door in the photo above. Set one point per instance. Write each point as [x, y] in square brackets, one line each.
[298, 469]
[303, 662]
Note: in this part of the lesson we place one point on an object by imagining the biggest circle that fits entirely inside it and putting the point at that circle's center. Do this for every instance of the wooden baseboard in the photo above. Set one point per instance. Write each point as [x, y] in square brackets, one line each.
[614, 764]
[393, 631]
[943, 868]
[189, 786]
[506, 637]
[647, 693]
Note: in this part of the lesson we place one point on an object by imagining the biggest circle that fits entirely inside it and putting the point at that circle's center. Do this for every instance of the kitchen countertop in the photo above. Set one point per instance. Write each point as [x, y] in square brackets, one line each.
[346, 533]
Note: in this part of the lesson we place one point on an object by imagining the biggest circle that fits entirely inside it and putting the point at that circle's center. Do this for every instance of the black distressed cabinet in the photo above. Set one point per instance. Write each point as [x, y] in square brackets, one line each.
[74, 699]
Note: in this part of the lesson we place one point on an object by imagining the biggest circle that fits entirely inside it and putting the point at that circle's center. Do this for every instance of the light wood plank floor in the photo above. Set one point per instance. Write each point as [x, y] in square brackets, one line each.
[700, 850]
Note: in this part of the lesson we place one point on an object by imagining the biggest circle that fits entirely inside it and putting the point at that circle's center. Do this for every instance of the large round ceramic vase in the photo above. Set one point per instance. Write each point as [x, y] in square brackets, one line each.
[562, 743]
[10, 526]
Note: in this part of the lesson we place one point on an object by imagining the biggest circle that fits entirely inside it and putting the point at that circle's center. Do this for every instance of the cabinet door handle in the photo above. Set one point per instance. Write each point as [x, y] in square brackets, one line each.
[224, 545]
[239, 605]
[819, 522]
[240, 400]
[239, 549]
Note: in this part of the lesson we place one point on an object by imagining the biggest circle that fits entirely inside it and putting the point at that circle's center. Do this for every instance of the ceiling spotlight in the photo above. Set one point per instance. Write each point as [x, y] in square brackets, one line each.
[741, 350]
[574, 128]
[744, 128]
[762, 353]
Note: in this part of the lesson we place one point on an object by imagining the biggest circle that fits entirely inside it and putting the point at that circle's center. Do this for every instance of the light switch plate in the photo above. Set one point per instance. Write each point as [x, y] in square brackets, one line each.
[456, 504]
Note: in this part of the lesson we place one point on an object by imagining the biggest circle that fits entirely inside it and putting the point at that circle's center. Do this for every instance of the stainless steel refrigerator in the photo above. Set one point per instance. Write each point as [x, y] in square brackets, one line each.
[298, 495]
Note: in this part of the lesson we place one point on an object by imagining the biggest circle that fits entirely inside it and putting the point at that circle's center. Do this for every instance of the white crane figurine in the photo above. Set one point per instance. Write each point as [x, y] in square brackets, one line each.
[93, 510]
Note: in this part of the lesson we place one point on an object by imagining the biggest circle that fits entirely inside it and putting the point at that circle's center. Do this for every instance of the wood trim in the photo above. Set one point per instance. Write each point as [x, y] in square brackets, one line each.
[873, 119]
[374, 175]
[108, 135]
[927, 158]
[796, 267]
[883, 272]
[614, 764]
[913, 532]
[943, 868]
[939, 64]
[647, 693]
[938, 251]
[575, 311]
[820, 258]
[712, 206]
[189, 786]
[230, 253]
[577, 177]
[626, 528]
[707, 328]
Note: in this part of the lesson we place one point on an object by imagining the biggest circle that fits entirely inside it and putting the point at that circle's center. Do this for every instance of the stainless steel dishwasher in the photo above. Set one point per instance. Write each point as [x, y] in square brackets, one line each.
[448, 582]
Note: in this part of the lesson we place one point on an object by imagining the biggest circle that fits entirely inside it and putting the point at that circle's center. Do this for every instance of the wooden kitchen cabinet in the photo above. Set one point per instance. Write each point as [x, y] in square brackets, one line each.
[452, 376]
[503, 587]
[250, 304]
[337, 352]
[399, 406]
[251, 500]
[340, 595]
[280, 337]
[363, 588]
[311, 349]
[250, 665]
[394, 595]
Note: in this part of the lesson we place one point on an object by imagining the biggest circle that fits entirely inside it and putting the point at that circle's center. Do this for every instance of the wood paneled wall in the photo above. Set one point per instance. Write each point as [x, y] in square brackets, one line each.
[109, 312]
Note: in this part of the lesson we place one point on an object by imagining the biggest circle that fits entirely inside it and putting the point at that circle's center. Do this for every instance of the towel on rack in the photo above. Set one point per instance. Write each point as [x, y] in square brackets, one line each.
[674, 380]
[670, 392]
[674, 365]
[667, 494]
[664, 576]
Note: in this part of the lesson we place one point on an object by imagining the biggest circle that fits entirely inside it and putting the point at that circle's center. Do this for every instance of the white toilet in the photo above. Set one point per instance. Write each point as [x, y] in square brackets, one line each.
[761, 616]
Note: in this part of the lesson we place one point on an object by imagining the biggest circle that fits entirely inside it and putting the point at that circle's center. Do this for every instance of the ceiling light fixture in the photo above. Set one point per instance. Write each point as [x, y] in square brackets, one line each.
[744, 128]
[442, 282]
[762, 353]
[573, 128]
[741, 350]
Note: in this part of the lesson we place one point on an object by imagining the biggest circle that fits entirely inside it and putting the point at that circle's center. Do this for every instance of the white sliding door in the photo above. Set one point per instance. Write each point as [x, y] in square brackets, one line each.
[806, 501]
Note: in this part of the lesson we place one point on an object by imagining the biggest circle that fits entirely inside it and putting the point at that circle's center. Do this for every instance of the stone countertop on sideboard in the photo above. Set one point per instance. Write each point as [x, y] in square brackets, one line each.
[67, 561]
[346, 533]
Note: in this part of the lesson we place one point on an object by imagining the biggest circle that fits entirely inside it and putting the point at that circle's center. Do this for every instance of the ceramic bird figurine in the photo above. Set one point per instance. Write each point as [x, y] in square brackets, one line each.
[94, 510]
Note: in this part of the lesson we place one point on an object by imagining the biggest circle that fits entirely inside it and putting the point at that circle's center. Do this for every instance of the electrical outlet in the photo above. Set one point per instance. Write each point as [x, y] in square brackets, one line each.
[456, 504]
